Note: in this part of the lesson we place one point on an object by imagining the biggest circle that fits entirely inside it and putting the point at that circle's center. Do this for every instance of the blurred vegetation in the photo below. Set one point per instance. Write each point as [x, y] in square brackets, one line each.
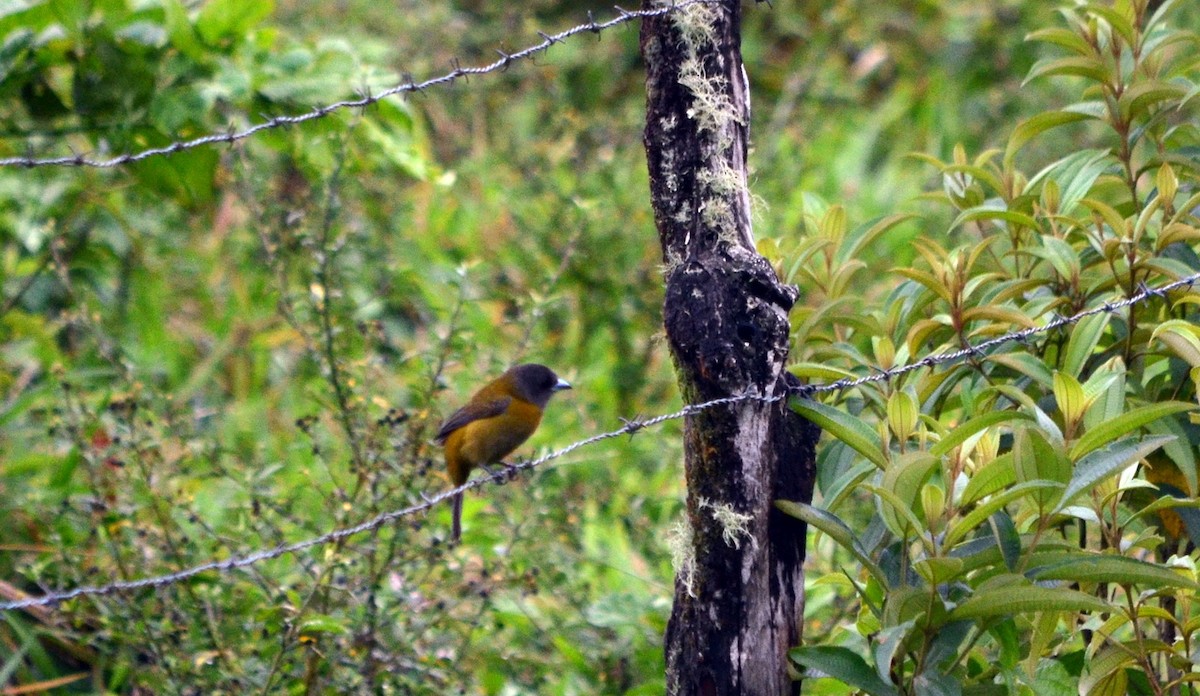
[234, 347]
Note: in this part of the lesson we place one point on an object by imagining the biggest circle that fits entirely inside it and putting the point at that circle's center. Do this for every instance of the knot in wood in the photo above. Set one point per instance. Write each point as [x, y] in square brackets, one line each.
[726, 320]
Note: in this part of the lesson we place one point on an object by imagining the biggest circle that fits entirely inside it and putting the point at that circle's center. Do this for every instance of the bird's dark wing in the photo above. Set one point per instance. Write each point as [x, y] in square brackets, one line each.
[471, 412]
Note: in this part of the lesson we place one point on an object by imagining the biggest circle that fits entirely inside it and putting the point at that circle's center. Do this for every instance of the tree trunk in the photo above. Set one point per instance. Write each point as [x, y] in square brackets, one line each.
[739, 595]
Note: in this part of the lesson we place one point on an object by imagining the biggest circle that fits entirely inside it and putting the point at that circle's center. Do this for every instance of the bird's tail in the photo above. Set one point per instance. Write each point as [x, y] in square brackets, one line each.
[457, 530]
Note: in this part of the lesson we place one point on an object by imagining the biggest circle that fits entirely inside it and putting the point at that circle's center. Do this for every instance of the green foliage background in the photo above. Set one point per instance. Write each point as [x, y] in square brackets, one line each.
[235, 347]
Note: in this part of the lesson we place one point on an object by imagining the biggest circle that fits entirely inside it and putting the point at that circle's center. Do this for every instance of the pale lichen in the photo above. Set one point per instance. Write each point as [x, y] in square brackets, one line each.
[734, 525]
[711, 108]
[683, 554]
[695, 23]
[721, 187]
[717, 214]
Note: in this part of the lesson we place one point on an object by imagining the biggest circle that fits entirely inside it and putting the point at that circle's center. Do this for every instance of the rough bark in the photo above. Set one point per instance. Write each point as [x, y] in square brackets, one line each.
[739, 607]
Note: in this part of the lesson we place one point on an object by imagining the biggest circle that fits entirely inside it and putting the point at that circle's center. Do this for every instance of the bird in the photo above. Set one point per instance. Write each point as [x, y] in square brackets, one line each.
[496, 420]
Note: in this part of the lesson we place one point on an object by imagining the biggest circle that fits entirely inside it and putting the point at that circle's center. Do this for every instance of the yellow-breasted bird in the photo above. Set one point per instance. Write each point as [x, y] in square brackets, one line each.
[497, 419]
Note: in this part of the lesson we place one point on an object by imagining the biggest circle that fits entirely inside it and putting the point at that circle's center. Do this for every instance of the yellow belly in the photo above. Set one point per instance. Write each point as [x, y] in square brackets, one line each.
[490, 440]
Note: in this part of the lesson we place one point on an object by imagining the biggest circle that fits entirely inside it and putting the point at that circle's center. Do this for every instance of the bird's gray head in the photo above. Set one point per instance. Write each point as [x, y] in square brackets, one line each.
[536, 383]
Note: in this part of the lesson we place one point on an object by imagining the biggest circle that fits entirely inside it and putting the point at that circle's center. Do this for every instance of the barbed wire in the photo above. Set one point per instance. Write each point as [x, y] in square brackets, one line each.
[630, 427]
[978, 349]
[429, 502]
[502, 63]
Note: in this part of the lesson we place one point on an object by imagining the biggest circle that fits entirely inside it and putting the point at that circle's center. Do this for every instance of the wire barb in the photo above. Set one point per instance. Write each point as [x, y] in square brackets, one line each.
[633, 425]
[804, 391]
[1148, 291]
[410, 84]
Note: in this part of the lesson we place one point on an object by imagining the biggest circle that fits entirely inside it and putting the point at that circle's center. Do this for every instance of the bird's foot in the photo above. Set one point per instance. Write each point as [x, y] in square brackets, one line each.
[508, 474]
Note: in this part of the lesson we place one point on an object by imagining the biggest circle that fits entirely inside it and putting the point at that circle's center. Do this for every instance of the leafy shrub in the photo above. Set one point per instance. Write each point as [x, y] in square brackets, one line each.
[1030, 525]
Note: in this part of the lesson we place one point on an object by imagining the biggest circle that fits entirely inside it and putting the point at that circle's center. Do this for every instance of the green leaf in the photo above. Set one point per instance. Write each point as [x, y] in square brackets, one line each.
[1007, 539]
[179, 28]
[1031, 128]
[946, 643]
[1025, 364]
[1090, 567]
[888, 643]
[1127, 422]
[991, 477]
[933, 683]
[898, 514]
[1105, 393]
[1099, 465]
[833, 223]
[61, 468]
[1115, 220]
[902, 414]
[844, 665]
[837, 530]
[1035, 459]
[1118, 20]
[976, 517]
[390, 135]
[220, 19]
[846, 483]
[907, 474]
[1048, 427]
[1062, 257]
[1050, 678]
[1077, 181]
[926, 279]
[1163, 8]
[1179, 450]
[1063, 37]
[994, 211]
[998, 315]
[318, 623]
[844, 427]
[187, 176]
[1166, 503]
[1078, 66]
[1068, 392]
[983, 552]
[868, 232]
[1022, 599]
[1167, 182]
[1182, 337]
[939, 569]
[962, 432]
[1082, 343]
[820, 371]
[1105, 673]
[974, 174]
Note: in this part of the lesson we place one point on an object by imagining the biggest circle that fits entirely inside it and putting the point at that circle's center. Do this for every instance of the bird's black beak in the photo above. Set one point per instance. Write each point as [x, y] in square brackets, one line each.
[561, 385]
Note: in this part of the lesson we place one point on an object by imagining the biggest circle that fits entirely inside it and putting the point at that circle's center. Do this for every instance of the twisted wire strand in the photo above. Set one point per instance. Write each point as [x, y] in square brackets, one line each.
[630, 427]
[502, 63]
[978, 349]
[235, 562]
